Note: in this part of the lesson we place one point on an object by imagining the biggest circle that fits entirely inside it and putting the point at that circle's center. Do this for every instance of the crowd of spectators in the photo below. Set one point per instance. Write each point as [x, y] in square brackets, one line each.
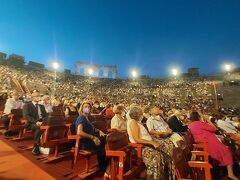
[168, 94]
[151, 112]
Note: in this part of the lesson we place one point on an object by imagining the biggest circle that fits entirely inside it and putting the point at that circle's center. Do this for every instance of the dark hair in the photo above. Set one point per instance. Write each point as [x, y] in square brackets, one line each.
[213, 120]
[194, 116]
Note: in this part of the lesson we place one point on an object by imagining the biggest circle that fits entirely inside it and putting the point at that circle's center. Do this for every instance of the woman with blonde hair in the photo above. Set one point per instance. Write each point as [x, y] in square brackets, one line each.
[92, 139]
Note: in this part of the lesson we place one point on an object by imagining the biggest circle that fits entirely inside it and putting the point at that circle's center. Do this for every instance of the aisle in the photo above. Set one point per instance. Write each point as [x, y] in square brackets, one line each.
[15, 166]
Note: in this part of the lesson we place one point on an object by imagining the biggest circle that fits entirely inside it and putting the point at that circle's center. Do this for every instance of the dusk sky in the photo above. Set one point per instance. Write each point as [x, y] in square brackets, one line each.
[150, 35]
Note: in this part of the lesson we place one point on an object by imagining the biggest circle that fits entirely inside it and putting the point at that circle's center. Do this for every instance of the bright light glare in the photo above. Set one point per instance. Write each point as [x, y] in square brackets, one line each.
[174, 72]
[55, 65]
[227, 67]
[134, 73]
[90, 71]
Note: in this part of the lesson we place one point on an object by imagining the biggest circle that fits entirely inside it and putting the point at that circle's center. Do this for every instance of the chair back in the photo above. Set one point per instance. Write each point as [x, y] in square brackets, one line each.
[188, 139]
[117, 140]
[57, 111]
[53, 121]
[101, 122]
[71, 119]
[18, 115]
[57, 132]
[181, 164]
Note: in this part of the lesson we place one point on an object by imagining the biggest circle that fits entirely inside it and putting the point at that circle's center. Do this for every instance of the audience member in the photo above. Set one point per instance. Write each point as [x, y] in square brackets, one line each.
[92, 139]
[204, 132]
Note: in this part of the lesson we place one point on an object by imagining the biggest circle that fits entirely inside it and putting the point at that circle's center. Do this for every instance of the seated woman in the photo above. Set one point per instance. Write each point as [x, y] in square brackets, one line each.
[118, 122]
[71, 110]
[92, 138]
[152, 154]
[202, 131]
[109, 110]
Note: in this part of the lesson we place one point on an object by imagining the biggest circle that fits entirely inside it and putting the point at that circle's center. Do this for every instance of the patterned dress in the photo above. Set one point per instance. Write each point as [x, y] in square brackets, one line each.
[157, 161]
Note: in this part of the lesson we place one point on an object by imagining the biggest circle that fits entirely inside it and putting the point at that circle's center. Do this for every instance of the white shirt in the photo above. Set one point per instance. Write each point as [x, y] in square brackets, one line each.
[143, 133]
[156, 125]
[226, 126]
[11, 103]
[118, 122]
[48, 107]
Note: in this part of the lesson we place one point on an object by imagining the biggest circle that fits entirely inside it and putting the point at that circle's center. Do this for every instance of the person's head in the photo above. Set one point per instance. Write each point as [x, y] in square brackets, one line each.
[36, 96]
[119, 109]
[136, 113]
[213, 119]
[65, 102]
[46, 99]
[96, 104]
[85, 108]
[71, 102]
[179, 115]
[146, 110]
[194, 116]
[156, 111]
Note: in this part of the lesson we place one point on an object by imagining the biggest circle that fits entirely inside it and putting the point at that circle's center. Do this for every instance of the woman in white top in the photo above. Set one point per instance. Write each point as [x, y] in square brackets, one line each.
[152, 156]
[118, 122]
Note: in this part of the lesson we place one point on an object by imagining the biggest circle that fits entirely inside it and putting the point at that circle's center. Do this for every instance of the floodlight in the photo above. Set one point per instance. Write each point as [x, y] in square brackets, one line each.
[174, 72]
[90, 71]
[134, 73]
[55, 65]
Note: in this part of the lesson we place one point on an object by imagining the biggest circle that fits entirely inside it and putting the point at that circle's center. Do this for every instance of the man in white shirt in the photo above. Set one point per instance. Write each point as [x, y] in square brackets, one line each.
[156, 125]
[226, 126]
[47, 104]
[12, 103]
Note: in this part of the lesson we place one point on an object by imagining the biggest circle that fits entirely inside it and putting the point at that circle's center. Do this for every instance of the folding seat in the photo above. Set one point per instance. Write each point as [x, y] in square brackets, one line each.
[16, 123]
[197, 170]
[126, 158]
[72, 136]
[54, 134]
[188, 138]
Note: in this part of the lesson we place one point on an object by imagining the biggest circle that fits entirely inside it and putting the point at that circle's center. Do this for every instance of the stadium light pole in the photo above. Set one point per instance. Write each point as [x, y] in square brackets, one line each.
[55, 66]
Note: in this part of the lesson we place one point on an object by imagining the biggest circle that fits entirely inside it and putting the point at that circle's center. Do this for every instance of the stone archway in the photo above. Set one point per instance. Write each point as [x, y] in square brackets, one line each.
[95, 70]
